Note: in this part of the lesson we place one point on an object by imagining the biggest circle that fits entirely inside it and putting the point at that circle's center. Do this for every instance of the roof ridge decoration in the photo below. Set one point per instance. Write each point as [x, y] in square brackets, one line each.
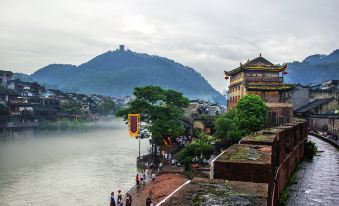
[259, 63]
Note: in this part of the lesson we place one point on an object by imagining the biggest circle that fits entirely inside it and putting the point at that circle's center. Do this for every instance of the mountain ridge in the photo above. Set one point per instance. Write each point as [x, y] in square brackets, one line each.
[314, 69]
[117, 72]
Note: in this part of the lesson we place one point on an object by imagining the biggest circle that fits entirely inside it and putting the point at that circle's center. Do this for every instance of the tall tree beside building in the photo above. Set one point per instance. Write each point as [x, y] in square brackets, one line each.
[161, 109]
[249, 115]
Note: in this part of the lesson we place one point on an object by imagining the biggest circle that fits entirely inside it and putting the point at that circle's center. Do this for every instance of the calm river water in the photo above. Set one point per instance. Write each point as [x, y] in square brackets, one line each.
[68, 168]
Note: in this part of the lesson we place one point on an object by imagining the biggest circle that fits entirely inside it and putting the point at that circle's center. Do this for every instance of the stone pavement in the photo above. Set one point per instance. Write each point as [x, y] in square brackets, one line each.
[165, 183]
[317, 180]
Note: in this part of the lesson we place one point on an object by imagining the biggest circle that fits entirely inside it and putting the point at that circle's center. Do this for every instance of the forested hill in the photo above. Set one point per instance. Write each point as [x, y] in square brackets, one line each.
[116, 73]
[314, 69]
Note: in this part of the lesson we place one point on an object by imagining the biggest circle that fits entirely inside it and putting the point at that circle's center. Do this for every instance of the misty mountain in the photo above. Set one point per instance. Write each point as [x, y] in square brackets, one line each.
[118, 72]
[314, 69]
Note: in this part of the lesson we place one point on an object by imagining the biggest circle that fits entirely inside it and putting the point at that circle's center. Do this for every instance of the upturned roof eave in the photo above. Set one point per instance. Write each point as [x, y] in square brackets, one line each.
[256, 68]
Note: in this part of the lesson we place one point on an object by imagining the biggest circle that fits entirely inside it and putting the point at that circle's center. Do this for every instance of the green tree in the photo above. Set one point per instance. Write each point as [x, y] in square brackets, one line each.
[71, 107]
[224, 124]
[160, 109]
[196, 151]
[251, 114]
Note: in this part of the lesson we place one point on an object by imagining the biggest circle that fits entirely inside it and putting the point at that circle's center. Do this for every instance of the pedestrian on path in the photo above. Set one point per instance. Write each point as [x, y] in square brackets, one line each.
[153, 176]
[130, 198]
[141, 176]
[119, 199]
[137, 180]
[148, 201]
[160, 167]
[128, 202]
[112, 203]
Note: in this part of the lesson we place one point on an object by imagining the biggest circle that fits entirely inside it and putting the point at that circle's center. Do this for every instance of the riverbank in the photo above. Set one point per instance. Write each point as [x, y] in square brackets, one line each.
[165, 183]
[60, 125]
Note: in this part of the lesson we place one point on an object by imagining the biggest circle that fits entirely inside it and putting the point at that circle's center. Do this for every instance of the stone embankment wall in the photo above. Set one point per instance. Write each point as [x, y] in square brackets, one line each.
[269, 156]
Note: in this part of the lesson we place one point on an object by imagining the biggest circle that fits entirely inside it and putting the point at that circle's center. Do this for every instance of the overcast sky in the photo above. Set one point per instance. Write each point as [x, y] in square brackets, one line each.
[210, 36]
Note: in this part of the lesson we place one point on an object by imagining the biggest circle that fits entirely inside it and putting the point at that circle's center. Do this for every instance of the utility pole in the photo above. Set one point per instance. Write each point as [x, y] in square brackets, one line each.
[139, 146]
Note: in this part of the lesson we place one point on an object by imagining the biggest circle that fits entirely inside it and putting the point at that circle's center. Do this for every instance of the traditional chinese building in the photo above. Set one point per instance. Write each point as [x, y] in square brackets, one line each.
[262, 78]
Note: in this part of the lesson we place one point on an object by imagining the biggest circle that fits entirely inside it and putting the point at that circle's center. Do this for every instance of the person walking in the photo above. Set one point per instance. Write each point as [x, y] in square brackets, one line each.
[160, 167]
[130, 198]
[148, 201]
[112, 203]
[137, 180]
[143, 177]
[128, 202]
[119, 199]
[153, 176]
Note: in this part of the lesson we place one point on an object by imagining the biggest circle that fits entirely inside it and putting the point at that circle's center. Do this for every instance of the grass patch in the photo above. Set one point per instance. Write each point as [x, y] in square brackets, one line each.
[245, 153]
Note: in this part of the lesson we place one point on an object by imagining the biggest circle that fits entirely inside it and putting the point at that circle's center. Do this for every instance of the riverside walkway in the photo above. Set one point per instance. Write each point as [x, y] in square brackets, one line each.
[317, 180]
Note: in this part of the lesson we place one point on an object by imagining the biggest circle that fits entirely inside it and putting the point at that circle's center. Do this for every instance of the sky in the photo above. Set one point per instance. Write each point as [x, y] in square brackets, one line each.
[210, 36]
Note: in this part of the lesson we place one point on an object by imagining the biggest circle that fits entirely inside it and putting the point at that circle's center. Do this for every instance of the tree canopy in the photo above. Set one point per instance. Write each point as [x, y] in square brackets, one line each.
[160, 109]
[196, 151]
[250, 115]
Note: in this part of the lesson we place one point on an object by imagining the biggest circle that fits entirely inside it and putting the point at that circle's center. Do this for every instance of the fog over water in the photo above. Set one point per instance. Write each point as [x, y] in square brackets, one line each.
[68, 167]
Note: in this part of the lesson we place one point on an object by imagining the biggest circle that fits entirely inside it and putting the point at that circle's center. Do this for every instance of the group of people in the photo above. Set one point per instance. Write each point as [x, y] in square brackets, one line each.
[167, 157]
[119, 201]
[327, 135]
[183, 140]
[141, 179]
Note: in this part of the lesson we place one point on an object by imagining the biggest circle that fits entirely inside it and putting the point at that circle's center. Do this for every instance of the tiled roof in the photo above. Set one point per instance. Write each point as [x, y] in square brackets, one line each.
[312, 105]
[5, 72]
[259, 63]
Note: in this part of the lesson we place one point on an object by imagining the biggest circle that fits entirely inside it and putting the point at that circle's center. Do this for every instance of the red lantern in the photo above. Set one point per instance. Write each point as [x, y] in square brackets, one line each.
[285, 72]
[226, 77]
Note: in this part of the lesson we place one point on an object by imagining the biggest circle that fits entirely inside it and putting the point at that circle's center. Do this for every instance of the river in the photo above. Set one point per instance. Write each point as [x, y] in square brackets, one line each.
[68, 167]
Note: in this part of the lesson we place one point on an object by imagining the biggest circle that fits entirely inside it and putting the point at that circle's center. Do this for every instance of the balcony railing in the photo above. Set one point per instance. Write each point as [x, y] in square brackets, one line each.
[264, 79]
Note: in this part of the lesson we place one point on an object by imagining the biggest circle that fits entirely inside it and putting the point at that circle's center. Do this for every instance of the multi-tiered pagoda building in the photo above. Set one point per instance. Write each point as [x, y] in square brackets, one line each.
[261, 77]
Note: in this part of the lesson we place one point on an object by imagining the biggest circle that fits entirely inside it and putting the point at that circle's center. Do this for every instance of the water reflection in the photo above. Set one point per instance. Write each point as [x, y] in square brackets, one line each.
[68, 168]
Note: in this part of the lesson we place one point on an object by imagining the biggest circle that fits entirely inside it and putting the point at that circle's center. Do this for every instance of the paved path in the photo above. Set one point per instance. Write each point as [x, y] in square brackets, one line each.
[317, 180]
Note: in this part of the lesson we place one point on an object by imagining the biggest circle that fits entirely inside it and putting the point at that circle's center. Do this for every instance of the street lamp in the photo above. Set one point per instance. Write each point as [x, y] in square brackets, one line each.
[333, 120]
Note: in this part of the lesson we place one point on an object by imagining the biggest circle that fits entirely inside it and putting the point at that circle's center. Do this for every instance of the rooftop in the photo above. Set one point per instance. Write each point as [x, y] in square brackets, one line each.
[5, 72]
[259, 63]
[313, 104]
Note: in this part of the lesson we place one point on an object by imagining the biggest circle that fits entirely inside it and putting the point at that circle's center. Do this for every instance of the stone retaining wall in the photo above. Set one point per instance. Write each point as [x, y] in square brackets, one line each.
[269, 156]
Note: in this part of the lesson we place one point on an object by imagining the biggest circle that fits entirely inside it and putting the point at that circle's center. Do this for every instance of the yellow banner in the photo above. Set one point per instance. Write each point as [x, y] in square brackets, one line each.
[134, 124]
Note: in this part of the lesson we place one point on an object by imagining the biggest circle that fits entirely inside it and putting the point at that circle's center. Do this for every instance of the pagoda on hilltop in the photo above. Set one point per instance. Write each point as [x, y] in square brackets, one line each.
[260, 77]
